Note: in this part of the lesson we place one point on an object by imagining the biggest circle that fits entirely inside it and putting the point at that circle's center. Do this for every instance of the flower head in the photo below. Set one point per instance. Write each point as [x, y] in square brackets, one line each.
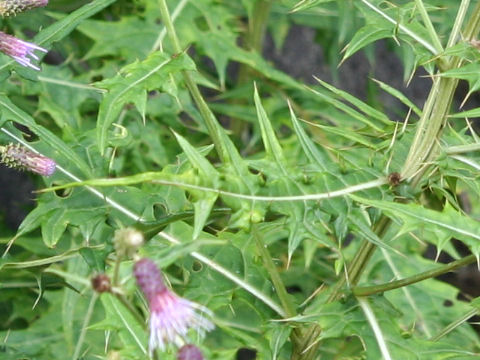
[170, 315]
[17, 156]
[19, 50]
[189, 352]
[13, 7]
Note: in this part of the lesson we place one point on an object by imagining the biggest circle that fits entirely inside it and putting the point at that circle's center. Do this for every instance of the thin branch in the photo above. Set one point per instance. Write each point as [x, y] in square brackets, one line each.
[375, 289]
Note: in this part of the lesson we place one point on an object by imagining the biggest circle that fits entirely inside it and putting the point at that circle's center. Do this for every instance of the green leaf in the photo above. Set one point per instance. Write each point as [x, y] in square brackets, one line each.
[416, 216]
[65, 153]
[397, 94]
[365, 36]
[132, 334]
[470, 73]
[313, 153]
[303, 5]
[203, 206]
[132, 85]
[270, 141]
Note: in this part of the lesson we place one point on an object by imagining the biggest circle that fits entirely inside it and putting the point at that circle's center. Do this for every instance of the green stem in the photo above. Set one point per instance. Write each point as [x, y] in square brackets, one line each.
[252, 41]
[258, 24]
[425, 144]
[282, 294]
[360, 261]
[354, 272]
[214, 129]
[454, 325]
[86, 320]
[116, 270]
[462, 11]
[275, 276]
[375, 289]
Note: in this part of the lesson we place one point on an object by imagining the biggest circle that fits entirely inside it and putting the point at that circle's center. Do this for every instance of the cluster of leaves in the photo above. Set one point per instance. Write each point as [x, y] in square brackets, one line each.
[303, 174]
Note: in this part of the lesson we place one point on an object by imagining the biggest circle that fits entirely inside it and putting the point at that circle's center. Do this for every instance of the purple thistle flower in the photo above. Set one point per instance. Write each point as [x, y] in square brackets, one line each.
[13, 7]
[170, 315]
[189, 352]
[19, 50]
[17, 156]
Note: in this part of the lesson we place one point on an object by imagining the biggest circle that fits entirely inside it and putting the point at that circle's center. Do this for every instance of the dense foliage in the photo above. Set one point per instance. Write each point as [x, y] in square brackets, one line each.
[288, 211]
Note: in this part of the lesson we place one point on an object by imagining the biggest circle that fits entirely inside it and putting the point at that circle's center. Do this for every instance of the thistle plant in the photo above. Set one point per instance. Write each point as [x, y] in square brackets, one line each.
[202, 156]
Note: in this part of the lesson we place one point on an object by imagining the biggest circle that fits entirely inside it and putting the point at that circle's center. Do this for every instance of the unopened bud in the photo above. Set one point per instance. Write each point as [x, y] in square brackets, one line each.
[101, 283]
[127, 241]
[13, 7]
[189, 352]
[19, 157]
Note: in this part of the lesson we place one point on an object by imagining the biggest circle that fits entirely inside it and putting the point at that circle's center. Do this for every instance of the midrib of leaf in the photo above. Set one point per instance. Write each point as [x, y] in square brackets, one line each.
[400, 208]
[403, 28]
[128, 327]
[156, 178]
[370, 315]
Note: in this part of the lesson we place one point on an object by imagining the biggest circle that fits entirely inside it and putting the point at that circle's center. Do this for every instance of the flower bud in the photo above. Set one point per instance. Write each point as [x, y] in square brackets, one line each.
[101, 283]
[13, 7]
[189, 352]
[127, 241]
[17, 156]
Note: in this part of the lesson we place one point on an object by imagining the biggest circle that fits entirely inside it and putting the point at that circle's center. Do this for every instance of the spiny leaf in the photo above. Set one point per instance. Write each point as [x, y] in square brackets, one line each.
[365, 36]
[132, 84]
[470, 73]
[314, 154]
[394, 92]
[417, 217]
[365, 108]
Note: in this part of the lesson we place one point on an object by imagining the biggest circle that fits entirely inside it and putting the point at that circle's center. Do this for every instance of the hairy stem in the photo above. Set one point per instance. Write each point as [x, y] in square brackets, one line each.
[375, 289]
[425, 144]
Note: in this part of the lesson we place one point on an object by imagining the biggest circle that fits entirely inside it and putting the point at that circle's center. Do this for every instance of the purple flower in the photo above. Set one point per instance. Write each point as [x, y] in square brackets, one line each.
[13, 7]
[170, 315]
[20, 50]
[17, 156]
[189, 352]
